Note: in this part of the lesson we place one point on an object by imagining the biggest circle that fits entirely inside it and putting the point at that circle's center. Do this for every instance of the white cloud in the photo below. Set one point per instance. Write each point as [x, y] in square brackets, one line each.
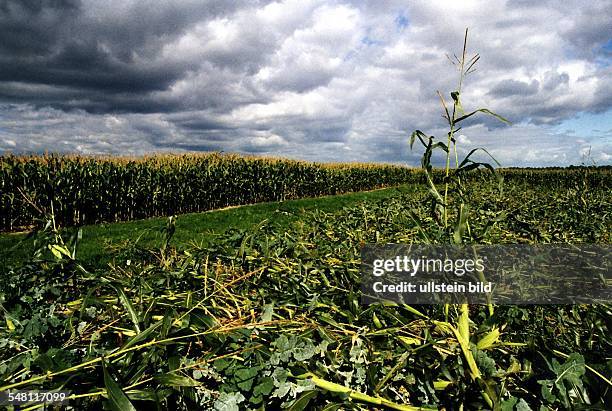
[335, 80]
[462, 139]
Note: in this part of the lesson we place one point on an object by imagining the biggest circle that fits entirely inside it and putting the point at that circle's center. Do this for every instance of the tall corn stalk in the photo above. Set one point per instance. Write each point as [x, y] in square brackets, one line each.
[453, 178]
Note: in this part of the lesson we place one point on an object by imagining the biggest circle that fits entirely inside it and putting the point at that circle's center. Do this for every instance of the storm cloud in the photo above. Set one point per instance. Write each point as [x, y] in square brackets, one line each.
[312, 79]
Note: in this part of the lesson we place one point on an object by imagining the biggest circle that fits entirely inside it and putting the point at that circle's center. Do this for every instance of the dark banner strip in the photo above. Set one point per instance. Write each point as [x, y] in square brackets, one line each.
[481, 274]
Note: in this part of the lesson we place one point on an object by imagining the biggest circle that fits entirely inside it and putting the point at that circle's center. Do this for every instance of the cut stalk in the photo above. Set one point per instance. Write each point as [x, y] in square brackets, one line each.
[358, 396]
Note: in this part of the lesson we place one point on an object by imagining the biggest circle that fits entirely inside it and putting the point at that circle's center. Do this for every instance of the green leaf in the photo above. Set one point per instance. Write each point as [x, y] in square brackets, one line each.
[508, 405]
[546, 391]
[175, 380]
[461, 225]
[245, 377]
[305, 351]
[268, 311]
[441, 145]
[485, 364]
[9, 323]
[282, 389]
[572, 370]
[488, 340]
[44, 362]
[142, 395]
[417, 222]
[265, 387]
[142, 335]
[523, 406]
[222, 364]
[302, 402]
[467, 160]
[59, 250]
[125, 301]
[200, 319]
[463, 343]
[228, 401]
[440, 385]
[118, 400]
[482, 110]
[409, 341]
[420, 135]
[463, 325]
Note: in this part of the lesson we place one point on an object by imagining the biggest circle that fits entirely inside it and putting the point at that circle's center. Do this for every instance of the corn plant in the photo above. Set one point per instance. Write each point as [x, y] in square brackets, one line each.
[88, 190]
[453, 178]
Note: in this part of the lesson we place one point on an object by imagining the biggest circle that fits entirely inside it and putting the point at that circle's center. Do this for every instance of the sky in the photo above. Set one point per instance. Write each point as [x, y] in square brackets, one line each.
[305, 79]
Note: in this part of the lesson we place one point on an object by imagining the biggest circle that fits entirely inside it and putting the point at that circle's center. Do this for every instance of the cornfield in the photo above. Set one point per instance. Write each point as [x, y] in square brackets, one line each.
[87, 190]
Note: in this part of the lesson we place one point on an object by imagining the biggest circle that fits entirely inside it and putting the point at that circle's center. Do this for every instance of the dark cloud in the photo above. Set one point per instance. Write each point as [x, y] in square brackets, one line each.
[202, 124]
[507, 88]
[100, 59]
[552, 80]
[29, 28]
[603, 97]
[590, 28]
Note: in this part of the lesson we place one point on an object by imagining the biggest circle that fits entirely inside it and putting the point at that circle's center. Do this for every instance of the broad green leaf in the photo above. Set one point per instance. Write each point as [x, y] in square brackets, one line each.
[522, 406]
[489, 339]
[118, 400]
[245, 377]
[59, 251]
[265, 387]
[508, 405]
[125, 301]
[228, 401]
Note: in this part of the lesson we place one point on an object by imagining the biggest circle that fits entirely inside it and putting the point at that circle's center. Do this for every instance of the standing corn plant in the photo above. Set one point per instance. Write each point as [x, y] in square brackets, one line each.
[453, 178]
[453, 182]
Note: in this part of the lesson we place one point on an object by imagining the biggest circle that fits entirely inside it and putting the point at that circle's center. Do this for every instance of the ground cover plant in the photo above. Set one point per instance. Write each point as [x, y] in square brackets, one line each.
[268, 316]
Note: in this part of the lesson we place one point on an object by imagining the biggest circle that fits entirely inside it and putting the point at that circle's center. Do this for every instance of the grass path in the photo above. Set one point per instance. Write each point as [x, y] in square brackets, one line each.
[197, 227]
